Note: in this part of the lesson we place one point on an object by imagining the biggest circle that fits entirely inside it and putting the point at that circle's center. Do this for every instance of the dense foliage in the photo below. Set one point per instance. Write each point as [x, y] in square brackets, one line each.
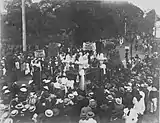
[71, 20]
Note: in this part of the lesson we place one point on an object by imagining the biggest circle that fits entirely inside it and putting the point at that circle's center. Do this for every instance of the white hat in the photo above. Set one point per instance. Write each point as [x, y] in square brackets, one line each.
[24, 109]
[30, 82]
[118, 101]
[46, 87]
[19, 106]
[57, 85]
[23, 89]
[46, 81]
[91, 93]
[49, 113]
[130, 84]
[154, 89]
[75, 93]
[6, 91]
[27, 106]
[4, 87]
[14, 113]
[32, 108]
[70, 96]
[23, 85]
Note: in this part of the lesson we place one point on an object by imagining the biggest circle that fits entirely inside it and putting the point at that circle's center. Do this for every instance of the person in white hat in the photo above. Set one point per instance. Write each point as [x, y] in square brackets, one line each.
[130, 115]
[14, 113]
[6, 96]
[83, 118]
[118, 109]
[90, 118]
[49, 113]
[23, 92]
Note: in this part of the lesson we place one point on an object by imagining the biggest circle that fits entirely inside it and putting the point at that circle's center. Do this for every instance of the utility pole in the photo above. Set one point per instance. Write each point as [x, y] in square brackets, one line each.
[23, 26]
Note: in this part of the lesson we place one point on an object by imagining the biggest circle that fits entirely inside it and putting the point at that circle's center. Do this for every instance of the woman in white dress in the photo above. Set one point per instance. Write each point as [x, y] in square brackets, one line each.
[130, 115]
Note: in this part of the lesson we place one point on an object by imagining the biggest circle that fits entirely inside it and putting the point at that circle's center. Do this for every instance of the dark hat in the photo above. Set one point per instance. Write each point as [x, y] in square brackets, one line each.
[56, 111]
[80, 97]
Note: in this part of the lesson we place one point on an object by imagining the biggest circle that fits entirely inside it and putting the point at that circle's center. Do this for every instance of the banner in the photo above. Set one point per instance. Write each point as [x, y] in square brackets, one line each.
[89, 46]
[39, 54]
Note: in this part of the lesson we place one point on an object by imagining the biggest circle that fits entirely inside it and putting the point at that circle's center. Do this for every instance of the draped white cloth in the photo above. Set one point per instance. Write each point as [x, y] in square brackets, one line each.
[131, 115]
[82, 81]
[139, 106]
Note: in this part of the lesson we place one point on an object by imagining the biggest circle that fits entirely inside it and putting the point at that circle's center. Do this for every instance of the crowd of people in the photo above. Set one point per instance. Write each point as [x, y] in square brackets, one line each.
[83, 83]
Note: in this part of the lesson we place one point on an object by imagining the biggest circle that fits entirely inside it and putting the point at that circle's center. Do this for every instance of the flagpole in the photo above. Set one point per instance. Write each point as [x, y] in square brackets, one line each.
[23, 26]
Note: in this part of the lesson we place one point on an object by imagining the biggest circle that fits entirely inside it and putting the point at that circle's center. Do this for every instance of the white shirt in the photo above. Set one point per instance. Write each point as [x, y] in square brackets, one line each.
[82, 121]
[133, 116]
[70, 83]
[91, 120]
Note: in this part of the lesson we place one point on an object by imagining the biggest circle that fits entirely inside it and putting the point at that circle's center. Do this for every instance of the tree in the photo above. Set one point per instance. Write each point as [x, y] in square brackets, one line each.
[83, 21]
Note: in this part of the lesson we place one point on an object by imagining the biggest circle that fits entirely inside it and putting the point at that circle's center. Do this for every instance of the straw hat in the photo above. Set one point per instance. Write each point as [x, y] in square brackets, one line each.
[46, 81]
[118, 101]
[23, 85]
[70, 96]
[49, 113]
[32, 108]
[6, 91]
[4, 87]
[23, 110]
[23, 89]
[46, 87]
[30, 82]
[154, 89]
[109, 97]
[19, 106]
[91, 94]
[14, 113]
[90, 114]
[27, 106]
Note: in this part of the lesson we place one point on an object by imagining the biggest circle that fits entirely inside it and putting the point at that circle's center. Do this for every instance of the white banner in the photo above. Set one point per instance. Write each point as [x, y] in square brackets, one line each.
[89, 46]
[39, 54]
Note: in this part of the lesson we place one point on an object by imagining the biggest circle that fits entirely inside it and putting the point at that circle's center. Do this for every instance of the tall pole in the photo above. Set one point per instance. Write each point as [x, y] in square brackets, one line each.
[0, 35]
[1, 12]
[24, 26]
[125, 26]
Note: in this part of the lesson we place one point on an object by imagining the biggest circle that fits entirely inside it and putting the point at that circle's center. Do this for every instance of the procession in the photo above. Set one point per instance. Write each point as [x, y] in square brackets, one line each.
[86, 78]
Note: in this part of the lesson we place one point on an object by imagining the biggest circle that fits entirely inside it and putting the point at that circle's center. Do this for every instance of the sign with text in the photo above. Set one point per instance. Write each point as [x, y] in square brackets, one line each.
[89, 46]
[39, 54]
